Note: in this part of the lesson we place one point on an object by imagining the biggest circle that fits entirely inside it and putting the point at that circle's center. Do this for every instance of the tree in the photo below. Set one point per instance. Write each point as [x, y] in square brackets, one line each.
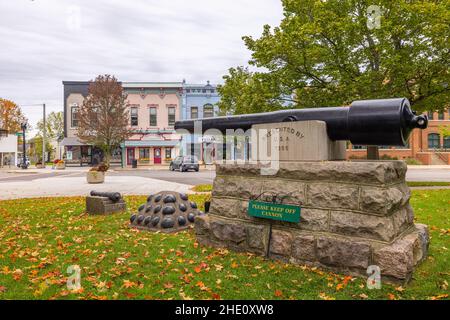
[104, 116]
[11, 116]
[332, 52]
[54, 126]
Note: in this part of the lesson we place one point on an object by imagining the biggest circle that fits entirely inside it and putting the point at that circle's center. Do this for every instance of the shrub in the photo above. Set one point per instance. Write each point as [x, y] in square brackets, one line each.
[102, 167]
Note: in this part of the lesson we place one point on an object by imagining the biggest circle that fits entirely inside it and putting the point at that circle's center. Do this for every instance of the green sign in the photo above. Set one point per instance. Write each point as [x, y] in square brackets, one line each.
[274, 211]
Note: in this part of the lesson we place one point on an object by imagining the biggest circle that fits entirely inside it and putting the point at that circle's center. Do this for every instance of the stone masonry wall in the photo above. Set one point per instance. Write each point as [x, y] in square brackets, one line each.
[353, 214]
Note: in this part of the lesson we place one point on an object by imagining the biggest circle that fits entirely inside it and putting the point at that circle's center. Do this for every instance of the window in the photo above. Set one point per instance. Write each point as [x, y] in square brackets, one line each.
[74, 113]
[434, 141]
[188, 90]
[134, 116]
[194, 113]
[447, 142]
[153, 117]
[144, 154]
[204, 90]
[171, 113]
[208, 111]
[440, 116]
[168, 153]
[430, 115]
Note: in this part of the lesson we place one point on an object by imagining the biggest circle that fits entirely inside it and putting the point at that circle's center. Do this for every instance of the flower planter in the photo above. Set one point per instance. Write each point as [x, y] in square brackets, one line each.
[60, 166]
[95, 177]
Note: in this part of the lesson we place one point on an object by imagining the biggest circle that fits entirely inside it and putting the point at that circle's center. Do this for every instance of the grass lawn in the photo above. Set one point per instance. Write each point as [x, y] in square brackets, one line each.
[428, 183]
[41, 238]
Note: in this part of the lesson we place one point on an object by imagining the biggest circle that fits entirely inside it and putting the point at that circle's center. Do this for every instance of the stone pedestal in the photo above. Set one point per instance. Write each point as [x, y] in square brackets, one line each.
[295, 141]
[353, 215]
[103, 205]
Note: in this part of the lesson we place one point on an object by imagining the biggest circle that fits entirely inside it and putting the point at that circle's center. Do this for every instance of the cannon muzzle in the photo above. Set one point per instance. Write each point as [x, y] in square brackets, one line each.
[386, 122]
[113, 196]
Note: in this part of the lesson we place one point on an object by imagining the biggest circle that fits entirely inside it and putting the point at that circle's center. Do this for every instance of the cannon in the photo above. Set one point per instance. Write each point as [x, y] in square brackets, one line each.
[386, 122]
[113, 196]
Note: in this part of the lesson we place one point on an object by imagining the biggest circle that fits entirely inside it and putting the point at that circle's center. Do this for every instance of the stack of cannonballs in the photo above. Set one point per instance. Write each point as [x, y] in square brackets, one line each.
[166, 211]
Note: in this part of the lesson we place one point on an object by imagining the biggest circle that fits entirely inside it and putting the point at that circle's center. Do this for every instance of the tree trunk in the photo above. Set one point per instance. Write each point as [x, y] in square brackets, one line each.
[373, 153]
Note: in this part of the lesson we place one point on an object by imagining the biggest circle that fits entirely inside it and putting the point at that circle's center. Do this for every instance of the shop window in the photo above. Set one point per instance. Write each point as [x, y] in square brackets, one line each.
[168, 153]
[434, 141]
[441, 116]
[430, 115]
[144, 154]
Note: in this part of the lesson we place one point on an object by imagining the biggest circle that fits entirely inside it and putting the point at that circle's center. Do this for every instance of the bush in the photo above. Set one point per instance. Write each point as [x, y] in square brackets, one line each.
[102, 167]
[412, 161]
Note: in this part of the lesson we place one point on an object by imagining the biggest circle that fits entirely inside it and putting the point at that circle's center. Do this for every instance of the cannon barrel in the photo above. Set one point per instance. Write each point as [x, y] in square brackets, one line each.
[365, 122]
[113, 196]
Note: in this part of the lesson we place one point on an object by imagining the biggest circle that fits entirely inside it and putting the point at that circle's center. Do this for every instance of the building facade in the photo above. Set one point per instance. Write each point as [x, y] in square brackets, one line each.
[428, 146]
[153, 109]
[199, 101]
[8, 150]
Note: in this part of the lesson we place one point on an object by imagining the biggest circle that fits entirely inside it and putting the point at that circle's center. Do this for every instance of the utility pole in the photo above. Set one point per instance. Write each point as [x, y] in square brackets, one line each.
[44, 131]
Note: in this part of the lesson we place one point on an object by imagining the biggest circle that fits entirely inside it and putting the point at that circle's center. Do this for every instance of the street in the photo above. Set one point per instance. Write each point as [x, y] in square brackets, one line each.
[72, 181]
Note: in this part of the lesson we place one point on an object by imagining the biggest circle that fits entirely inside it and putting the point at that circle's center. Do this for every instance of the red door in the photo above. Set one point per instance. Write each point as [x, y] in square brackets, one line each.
[130, 156]
[157, 157]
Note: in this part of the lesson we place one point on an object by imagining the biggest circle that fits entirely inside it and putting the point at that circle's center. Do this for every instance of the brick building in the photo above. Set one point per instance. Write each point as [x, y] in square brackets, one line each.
[428, 146]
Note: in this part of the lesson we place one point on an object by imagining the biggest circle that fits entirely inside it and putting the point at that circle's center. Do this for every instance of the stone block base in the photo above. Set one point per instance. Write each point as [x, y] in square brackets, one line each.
[341, 254]
[353, 215]
[103, 205]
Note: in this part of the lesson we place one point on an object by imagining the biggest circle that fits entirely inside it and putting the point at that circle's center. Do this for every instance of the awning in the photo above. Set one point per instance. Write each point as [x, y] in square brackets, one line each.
[72, 141]
[152, 143]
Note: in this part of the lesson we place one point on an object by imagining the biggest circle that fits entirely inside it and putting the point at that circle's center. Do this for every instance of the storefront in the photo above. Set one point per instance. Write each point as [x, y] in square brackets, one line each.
[77, 153]
[148, 152]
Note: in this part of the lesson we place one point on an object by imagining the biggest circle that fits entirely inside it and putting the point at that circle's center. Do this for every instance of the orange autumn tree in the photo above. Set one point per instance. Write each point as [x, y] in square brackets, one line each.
[11, 116]
[103, 118]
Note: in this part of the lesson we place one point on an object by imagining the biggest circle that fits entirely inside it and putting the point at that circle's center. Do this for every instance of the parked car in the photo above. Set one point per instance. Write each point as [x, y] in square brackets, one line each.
[184, 163]
[20, 160]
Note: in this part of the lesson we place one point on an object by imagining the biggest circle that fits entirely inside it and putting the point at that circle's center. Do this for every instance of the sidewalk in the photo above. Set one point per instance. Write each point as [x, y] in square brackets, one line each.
[429, 167]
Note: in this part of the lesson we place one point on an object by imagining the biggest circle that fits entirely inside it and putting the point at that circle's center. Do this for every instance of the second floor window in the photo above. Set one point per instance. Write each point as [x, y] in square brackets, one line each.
[153, 117]
[208, 111]
[194, 113]
[440, 116]
[74, 113]
[134, 116]
[171, 112]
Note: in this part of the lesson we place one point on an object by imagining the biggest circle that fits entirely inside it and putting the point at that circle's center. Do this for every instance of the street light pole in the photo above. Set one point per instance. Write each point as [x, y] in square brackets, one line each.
[24, 155]
[44, 131]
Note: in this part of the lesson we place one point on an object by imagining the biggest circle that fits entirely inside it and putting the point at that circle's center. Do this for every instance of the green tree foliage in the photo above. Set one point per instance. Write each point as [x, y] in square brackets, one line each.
[54, 126]
[329, 53]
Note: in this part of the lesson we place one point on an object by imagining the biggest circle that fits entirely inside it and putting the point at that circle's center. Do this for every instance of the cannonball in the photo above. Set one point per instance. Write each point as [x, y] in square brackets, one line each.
[181, 221]
[191, 217]
[149, 208]
[141, 207]
[147, 220]
[149, 198]
[132, 218]
[140, 219]
[169, 210]
[157, 209]
[167, 223]
[184, 196]
[193, 205]
[158, 198]
[169, 199]
[155, 221]
[182, 207]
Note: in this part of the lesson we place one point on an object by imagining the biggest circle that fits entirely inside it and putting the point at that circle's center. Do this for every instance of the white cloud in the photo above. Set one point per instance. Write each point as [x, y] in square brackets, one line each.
[46, 41]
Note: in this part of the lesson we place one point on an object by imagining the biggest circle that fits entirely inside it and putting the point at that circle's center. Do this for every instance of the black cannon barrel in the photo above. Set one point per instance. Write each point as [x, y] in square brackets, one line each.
[365, 122]
[113, 196]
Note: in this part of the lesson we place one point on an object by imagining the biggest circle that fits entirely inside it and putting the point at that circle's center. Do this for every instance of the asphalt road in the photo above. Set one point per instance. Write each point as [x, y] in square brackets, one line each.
[193, 178]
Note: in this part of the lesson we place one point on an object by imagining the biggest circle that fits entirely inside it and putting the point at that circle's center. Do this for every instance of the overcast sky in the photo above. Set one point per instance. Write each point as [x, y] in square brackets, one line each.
[44, 42]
